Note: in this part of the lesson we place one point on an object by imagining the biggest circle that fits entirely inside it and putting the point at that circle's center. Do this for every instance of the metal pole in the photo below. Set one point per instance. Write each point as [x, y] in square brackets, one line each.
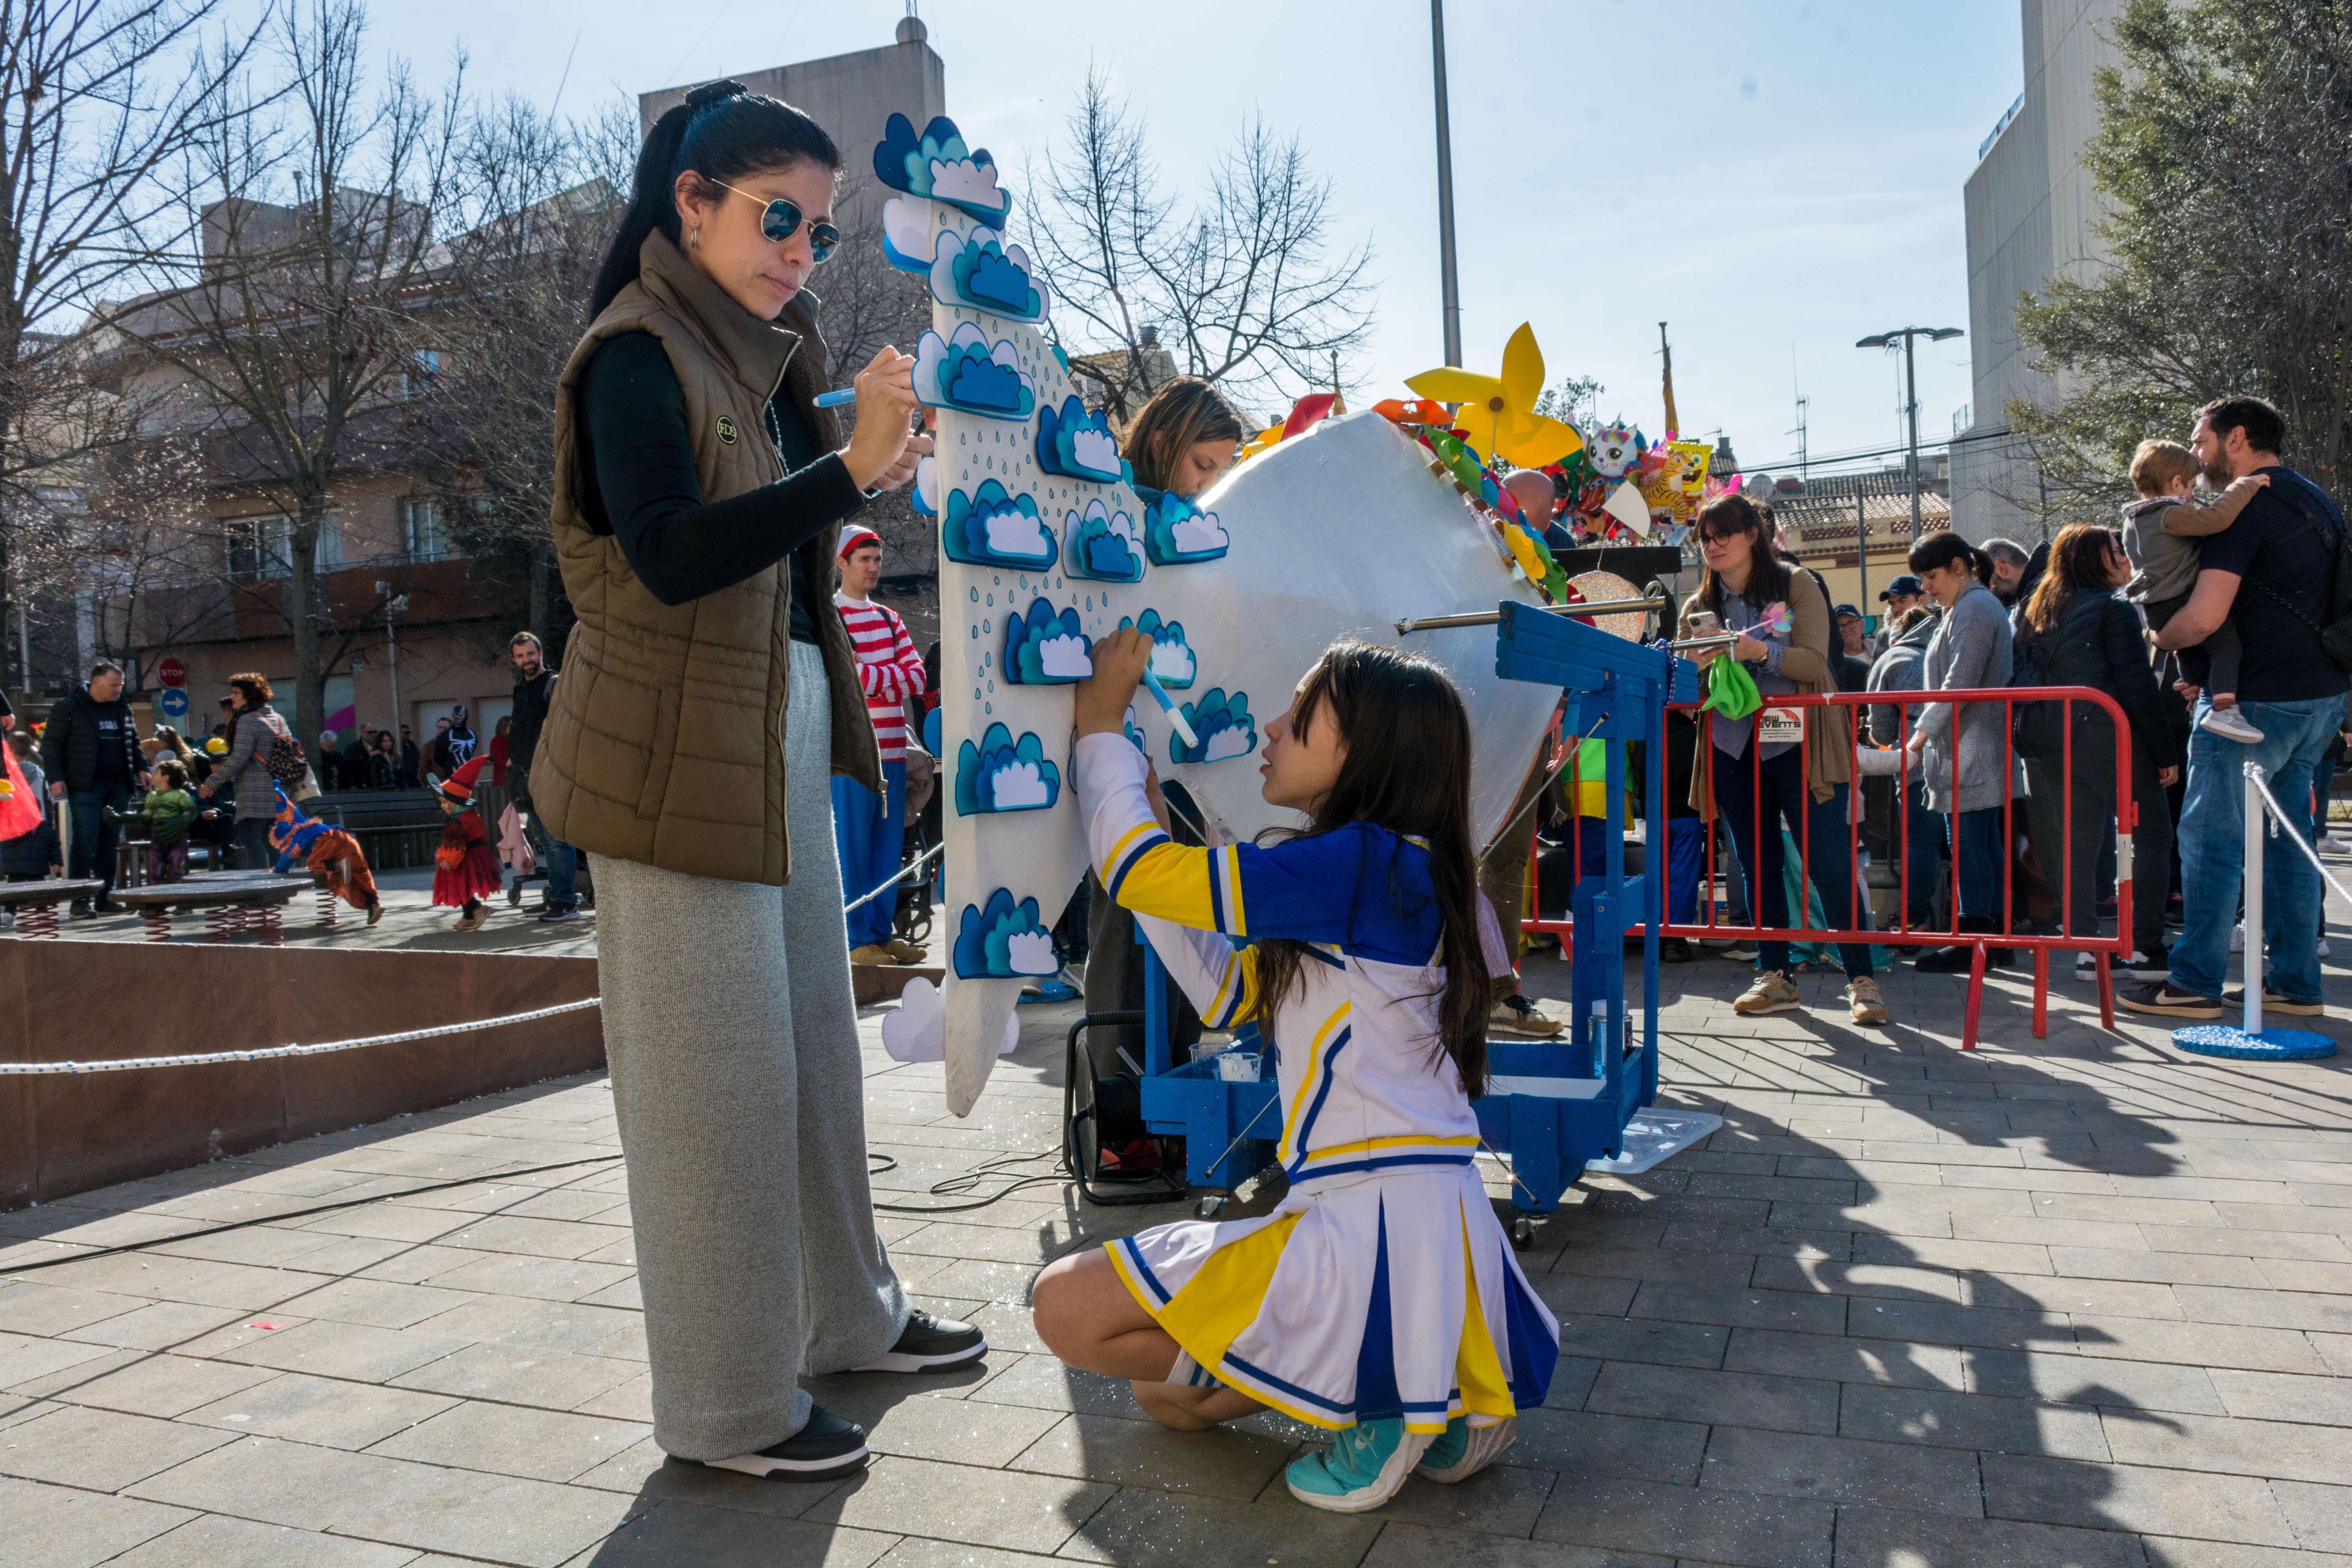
[1450, 279]
[2253, 967]
[1911, 390]
[394, 643]
[1862, 538]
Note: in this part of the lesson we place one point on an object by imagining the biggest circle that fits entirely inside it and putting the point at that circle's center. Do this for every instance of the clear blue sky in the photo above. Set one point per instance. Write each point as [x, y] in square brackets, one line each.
[1766, 175]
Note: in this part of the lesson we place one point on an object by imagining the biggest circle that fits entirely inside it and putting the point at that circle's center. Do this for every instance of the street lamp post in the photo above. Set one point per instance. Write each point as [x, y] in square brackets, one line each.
[1449, 278]
[392, 607]
[1909, 335]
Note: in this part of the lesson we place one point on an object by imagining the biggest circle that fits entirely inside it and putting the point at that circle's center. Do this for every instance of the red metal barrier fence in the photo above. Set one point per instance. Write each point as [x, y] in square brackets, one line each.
[2105, 949]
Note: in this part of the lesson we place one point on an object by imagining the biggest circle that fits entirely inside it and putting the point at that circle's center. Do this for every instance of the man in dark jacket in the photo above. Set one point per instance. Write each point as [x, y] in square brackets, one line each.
[91, 755]
[534, 689]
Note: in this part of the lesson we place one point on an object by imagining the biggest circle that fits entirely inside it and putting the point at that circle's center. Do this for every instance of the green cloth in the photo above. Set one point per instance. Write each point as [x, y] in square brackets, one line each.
[170, 813]
[1730, 690]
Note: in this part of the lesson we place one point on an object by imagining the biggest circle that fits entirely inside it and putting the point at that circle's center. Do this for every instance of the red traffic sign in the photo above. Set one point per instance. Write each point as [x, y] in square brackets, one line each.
[172, 672]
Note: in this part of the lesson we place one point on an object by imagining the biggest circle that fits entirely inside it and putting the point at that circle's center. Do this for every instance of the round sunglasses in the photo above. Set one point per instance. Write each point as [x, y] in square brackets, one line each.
[781, 219]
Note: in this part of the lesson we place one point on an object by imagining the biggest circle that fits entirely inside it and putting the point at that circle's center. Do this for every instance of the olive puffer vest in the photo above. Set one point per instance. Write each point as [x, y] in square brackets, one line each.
[665, 743]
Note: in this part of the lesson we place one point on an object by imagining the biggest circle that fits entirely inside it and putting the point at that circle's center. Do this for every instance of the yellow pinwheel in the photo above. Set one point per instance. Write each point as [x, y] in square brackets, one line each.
[1498, 413]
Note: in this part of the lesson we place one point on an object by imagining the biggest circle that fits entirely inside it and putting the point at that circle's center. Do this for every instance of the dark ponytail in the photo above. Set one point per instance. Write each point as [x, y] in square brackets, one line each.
[723, 131]
[1944, 548]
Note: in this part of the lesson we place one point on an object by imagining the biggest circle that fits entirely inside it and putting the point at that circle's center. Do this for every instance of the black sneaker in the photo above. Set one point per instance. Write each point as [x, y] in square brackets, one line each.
[80, 911]
[558, 914]
[2165, 1000]
[930, 1344]
[2275, 1003]
[827, 1450]
[1675, 949]
[2156, 965]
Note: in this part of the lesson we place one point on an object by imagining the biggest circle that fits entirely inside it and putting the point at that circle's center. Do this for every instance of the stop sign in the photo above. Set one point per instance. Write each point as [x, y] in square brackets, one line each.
[172, 672]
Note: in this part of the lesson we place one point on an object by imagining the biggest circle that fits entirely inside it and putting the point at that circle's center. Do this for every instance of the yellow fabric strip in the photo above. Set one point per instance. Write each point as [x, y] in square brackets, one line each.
[1226, 1292]
[1299, 1101]
[1237, 993]
[1168, 880]
[1477, 1370]
[1367, 1145]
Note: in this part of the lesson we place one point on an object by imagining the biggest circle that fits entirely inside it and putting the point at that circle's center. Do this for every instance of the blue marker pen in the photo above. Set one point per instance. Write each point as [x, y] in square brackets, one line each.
[835, 399]
[1175, 714]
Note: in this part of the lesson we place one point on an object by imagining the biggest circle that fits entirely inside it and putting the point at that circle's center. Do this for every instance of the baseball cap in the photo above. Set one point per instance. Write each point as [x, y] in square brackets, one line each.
[1906, 583]
[1843, 611]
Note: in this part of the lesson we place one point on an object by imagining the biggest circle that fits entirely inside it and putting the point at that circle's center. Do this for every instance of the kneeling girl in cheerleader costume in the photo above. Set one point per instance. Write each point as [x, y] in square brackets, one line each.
[1381, 1300]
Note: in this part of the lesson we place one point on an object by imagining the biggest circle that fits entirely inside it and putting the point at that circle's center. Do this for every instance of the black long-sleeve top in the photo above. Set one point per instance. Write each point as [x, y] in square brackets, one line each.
[634, 446]
[2097, 643]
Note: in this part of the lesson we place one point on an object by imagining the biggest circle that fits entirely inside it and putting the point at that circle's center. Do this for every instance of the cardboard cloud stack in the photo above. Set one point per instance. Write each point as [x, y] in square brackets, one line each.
[1046, 545]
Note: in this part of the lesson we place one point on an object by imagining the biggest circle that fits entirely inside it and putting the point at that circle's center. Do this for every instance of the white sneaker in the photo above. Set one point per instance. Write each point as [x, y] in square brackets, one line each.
[2232, 725]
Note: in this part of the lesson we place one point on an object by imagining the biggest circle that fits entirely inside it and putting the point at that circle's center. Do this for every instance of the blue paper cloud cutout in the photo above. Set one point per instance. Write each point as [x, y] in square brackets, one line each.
[1224, 725]
[939, 164]
[1003, 940]
[967, 372]
[1045, 648]
[1171, 655]
[1175, 531]
[1001, 775]
[990, 528]
[922, 495]
[1102, 544]
[1077, 444]
[906, 234]
[985, 273]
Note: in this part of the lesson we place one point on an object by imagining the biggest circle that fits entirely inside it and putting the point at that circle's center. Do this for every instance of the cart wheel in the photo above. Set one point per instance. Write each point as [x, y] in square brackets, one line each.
[1523, 1232]
[1207, 1208]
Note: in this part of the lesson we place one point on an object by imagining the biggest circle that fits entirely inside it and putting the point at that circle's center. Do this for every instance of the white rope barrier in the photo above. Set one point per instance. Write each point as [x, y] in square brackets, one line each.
[2280, 823]
[275, 1053]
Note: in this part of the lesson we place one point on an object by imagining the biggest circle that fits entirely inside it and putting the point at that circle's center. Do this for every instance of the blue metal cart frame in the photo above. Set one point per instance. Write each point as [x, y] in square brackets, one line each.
[1554, 1105]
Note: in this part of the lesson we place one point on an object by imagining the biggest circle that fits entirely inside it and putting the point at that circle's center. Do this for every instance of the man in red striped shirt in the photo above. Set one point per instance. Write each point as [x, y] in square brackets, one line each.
[869, 830]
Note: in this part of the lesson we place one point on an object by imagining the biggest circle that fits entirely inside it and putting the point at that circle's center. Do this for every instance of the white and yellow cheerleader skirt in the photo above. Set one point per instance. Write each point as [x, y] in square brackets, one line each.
[1396, 1295]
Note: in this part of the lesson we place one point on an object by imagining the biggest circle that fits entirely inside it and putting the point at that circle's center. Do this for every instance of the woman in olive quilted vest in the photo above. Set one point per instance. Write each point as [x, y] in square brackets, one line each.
[708, 695]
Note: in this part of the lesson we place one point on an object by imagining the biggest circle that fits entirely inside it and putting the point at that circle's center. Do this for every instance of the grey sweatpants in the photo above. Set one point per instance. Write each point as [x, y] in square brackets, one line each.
[731, 1036]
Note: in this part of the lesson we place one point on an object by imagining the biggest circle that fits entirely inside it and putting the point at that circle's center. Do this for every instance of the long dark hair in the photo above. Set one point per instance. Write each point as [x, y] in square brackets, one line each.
[1768, 575]
[2078, 564]
[1185, 410]
[1407, 770]
[723, 131]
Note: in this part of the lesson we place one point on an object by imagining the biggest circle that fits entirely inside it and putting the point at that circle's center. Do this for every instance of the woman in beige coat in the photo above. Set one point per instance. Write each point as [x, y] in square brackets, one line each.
[1791, 766]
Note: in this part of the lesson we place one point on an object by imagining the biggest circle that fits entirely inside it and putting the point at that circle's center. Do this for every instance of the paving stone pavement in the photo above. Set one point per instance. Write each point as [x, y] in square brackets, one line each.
[2079, 1300]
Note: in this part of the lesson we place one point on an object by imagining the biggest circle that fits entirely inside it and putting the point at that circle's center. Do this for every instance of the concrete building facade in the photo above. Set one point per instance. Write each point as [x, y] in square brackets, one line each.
[2033, 216]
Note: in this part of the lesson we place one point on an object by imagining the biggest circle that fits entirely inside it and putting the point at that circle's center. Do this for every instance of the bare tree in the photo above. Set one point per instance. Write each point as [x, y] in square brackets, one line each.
[1246, 287]
[304, 315]
[541, 197]
[98, 98]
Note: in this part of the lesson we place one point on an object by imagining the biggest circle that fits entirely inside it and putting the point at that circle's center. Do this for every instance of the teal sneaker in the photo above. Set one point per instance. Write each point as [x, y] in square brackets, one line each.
[1463, 1450]
[1362, 1468]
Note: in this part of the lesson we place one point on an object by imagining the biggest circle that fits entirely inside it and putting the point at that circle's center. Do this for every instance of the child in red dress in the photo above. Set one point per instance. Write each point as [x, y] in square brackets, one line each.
[467, 869]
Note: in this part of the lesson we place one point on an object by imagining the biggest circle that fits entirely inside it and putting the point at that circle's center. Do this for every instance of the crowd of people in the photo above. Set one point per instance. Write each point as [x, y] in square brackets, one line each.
[2204, 616]
[249, 791]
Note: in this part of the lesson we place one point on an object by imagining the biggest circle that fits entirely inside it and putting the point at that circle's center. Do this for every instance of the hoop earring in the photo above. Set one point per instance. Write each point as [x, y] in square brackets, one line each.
[694, 235]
